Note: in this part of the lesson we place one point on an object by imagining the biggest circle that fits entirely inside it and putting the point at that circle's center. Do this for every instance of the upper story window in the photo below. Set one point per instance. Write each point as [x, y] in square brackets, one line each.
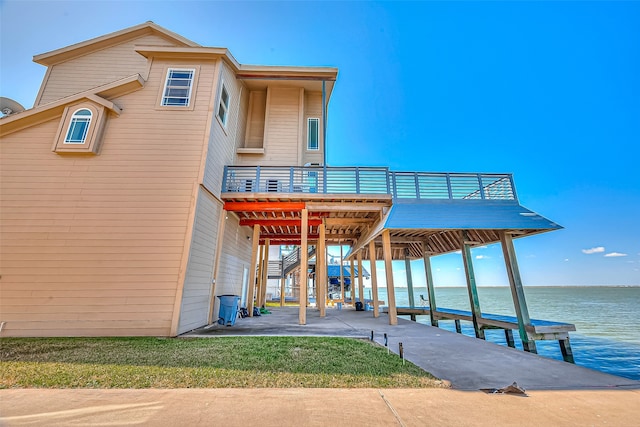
[313, 134]
[223, 105]
[78, 127]
[177, 88]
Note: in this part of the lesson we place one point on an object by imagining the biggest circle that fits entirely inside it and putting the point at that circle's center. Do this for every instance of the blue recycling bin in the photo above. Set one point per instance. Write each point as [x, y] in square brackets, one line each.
[228, 309]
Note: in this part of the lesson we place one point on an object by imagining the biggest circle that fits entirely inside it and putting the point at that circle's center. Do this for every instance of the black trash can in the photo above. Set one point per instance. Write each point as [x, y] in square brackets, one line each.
[359, 306]
[228, 309]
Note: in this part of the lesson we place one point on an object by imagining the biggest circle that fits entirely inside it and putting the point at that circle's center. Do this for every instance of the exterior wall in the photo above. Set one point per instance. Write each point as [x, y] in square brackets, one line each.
[196, 294]
[312, 109]
[93, 245]
[234, 258]
[98, 68]
[223, 140]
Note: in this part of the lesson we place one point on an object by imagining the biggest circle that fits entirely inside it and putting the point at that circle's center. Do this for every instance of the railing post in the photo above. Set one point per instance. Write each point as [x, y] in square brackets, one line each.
[449, 186]
[357, 180]
[224, 180]
[291, 179]
[395, 185]
[388, 184]
[417, 184]
[324, 179]
[513, 188]
[480, 186]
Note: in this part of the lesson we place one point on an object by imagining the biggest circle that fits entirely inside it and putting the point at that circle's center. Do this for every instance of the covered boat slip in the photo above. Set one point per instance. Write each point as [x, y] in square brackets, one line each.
[385, 215]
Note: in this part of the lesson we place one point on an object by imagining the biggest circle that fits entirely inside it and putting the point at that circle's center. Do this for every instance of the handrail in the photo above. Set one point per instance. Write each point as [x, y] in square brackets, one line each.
[368, 181]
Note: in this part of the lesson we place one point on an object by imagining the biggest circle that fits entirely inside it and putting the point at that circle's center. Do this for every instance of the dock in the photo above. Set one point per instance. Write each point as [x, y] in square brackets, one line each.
[536, 330]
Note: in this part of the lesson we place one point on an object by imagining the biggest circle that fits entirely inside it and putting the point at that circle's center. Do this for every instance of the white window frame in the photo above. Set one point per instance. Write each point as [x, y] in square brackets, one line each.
[165, 96]
[309, 147]
[75, 120]
[225, 107]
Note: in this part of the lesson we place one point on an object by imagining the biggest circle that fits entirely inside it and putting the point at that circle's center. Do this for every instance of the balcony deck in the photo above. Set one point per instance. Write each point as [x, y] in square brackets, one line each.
[422, 210]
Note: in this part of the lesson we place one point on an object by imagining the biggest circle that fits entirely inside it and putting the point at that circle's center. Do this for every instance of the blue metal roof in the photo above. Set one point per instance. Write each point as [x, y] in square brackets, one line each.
[465, 214]
[333, 270]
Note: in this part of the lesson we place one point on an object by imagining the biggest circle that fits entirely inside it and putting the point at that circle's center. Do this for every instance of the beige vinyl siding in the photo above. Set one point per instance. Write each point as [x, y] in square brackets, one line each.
[234, 258]
[282, 129]
[312, 109]
[98, 68]
[196, 293]
[92, 245]
[223, 140]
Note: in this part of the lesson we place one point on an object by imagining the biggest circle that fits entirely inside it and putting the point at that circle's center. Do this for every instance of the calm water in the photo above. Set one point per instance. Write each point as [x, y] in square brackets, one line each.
[606, 318]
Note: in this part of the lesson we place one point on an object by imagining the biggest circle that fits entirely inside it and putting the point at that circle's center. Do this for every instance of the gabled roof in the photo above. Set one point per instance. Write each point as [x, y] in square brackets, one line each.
[98, 43]
[45, 112]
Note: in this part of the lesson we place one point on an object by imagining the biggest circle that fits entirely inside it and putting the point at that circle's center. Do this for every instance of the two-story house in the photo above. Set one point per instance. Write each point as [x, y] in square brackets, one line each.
[151, 171]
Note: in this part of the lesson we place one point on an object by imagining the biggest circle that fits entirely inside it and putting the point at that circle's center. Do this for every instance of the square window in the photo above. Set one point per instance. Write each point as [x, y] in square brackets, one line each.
[177, 88]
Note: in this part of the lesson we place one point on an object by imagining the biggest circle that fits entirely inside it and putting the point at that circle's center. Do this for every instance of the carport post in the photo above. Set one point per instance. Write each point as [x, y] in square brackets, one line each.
[474, 301]
[304, 261]
[260, 276]
[265, 273]
[321, 271]
[388, 269]
[517, 292]
[252, 268]
[374, 278]
[352, 279]
[407, 267]
[360, 284]
[430, 287]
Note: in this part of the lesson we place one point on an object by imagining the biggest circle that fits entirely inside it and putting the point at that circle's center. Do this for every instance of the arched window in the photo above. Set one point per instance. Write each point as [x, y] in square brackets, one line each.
[79, 126]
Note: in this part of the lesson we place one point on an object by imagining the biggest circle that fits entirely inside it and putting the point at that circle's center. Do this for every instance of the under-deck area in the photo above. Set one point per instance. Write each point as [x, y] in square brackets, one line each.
[382, 215]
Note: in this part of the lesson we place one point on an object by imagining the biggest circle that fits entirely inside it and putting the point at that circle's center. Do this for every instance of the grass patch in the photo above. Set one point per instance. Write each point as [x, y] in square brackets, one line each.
[203, 362]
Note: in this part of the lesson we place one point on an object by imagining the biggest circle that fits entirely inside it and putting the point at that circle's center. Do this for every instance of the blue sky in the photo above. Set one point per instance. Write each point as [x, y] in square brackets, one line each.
[548, 91]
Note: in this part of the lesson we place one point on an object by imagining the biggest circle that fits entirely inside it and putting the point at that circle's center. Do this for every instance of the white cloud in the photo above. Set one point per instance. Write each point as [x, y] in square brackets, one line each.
[566, 260]
[482, 257]
[615, 254]
[595, 250]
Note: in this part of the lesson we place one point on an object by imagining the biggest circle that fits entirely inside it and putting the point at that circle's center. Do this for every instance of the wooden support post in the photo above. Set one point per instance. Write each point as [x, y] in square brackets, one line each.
[565, 348]
[374, 278]
[283, 280]
[259, 278]
[352, 278]
[321, 271]
[407, 267]
[304, 258]
[517, 292]
[252, 268]
[216, 264]
[508, 334]
[430, 287]
[388, 269]
[471, 284]
[265, 273]
[458, 327]
[341, 274]
[360, 280]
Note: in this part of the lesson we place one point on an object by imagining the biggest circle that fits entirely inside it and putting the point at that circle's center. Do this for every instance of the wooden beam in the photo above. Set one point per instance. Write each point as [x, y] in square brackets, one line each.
[278, 222]
[474, 301]
[265, 274]
[430, 286]
[345, 207]
[374, 278]
[321, 272]
[304, 283]
[252, 268]
[331, 222]
[260, 276]
[264, 206]
[517, 292]
[388, 269]
[283, 280]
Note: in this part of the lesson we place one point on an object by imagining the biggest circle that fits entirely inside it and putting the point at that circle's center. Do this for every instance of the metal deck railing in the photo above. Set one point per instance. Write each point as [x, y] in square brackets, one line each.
[368, 181]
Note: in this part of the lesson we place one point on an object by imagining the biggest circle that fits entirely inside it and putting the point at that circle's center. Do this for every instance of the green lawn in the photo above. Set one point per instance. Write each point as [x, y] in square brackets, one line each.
[203, 362]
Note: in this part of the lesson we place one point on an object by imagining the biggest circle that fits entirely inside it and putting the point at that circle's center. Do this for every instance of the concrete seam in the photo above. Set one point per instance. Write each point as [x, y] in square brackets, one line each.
[391, 408]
